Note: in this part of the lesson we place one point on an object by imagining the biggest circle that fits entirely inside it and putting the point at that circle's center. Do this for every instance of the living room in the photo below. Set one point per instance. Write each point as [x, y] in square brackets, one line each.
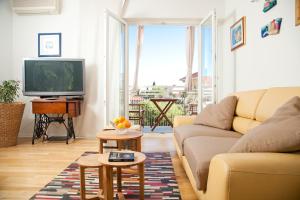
[242, 143]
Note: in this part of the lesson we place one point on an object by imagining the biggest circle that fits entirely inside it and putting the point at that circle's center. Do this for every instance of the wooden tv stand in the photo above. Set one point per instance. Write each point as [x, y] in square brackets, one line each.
[44, 111]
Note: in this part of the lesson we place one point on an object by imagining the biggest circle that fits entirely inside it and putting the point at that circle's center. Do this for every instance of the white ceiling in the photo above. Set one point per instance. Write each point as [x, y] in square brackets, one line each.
[176, 9]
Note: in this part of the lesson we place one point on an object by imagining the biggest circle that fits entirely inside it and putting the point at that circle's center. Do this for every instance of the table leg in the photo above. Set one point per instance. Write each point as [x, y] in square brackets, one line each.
[100, 174]
[157, 119]
[101, 146]
[82, 183]
[138, 144]
[120, 145]
[40, 127]
[164, 111]
[35, 128]
[43, 124]
[141, 176]
[108, 183]
[161, 111]
[71, 127]
[119, 179]
[162, 114]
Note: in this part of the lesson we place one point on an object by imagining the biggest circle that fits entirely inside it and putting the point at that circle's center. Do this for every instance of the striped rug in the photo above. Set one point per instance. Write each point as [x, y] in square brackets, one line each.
[160, 181]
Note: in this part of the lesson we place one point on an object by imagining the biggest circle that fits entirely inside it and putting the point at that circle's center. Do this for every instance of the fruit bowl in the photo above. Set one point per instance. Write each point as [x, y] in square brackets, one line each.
[121, 124]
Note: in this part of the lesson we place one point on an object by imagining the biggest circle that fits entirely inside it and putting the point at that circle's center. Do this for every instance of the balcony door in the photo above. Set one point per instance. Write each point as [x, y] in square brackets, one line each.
[116, 67]
[207, 87]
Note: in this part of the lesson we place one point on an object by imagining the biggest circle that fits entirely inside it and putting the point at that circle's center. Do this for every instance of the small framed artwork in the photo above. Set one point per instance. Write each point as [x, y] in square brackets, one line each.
[237, 34]
[297, 12]
[49, 44]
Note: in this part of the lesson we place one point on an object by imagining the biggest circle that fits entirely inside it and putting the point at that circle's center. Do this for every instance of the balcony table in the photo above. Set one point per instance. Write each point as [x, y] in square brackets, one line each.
[163, 111]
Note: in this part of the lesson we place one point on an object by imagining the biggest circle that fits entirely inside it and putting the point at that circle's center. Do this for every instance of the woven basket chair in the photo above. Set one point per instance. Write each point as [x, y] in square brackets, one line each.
[10, 120]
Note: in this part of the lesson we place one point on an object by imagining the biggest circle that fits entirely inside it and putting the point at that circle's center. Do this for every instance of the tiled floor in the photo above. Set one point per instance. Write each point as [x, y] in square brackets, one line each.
[158, 129]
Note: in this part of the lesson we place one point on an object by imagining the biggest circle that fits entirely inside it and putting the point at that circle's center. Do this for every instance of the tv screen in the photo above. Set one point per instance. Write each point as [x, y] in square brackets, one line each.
[53, 77]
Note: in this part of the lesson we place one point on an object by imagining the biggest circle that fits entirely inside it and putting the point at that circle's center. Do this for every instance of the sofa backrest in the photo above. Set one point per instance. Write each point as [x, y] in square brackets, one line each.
[256, 106]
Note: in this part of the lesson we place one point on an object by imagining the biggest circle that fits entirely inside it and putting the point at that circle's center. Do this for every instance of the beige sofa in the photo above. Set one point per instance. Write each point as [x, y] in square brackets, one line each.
[218, 175]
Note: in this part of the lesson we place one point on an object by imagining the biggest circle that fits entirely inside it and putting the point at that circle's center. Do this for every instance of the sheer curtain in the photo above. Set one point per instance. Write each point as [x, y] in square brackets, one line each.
[139, 43]
[190, 40]
[115, 71]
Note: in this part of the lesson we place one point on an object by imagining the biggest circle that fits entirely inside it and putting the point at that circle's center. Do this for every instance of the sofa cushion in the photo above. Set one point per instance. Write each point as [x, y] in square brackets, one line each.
[273, 99]
[243, 125]
[248, 102]
[186, 131]
[200, 150]
[280, 133]
[218, 115]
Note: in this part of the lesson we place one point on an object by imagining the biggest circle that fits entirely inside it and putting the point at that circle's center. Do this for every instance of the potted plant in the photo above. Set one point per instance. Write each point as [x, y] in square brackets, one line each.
[11, 113]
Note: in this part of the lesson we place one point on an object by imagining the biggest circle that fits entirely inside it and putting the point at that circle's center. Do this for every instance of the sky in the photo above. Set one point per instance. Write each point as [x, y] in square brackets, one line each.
[163, 55]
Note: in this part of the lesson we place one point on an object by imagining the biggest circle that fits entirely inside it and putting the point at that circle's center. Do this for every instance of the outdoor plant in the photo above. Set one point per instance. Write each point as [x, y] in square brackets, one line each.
[9, 91]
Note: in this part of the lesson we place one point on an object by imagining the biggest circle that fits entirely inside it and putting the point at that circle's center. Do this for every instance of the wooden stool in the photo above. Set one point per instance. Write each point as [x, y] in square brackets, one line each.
[90, 161]
[139, 159]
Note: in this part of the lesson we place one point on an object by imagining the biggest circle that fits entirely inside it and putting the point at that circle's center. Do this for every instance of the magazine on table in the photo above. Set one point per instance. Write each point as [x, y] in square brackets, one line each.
[121, 157]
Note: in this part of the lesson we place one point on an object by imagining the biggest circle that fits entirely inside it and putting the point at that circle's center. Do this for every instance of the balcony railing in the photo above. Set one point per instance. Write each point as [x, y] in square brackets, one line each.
[151, 112]
[186, 104]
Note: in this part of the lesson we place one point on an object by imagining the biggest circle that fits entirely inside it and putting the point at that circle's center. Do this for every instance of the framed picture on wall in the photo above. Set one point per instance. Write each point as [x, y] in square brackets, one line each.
[297, 12]
[237, 34]
[49, 44]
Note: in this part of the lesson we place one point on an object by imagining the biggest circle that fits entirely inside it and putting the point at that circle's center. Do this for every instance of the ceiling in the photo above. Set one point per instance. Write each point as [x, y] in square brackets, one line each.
[173, 9]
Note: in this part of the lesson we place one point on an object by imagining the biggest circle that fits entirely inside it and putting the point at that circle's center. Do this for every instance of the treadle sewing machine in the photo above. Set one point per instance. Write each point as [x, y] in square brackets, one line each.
[48, 111]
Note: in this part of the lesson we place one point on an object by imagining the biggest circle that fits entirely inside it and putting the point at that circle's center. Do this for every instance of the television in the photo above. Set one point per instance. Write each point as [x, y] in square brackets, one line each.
[52, 77]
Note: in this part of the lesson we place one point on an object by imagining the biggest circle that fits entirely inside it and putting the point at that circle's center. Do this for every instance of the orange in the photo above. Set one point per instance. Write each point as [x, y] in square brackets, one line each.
[121, 119]
[127, 124]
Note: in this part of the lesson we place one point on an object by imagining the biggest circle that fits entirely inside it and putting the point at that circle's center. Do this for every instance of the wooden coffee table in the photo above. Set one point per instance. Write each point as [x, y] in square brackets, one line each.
[130, 135]
[139, 159]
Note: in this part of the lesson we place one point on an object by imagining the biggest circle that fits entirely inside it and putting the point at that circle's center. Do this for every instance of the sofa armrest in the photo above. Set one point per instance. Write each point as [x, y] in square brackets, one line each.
[183, 120]
[254, 176]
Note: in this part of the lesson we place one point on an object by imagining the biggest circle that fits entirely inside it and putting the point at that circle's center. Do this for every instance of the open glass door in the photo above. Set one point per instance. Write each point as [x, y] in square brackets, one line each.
[116, 67]
[207, 87]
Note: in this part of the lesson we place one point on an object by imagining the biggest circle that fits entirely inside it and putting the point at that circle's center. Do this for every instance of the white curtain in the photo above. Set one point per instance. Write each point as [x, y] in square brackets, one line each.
[190, 40]
[115, 71]
[139, 43]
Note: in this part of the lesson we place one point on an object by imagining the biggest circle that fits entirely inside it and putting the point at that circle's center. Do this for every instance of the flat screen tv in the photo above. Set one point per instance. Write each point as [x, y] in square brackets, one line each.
[50, 77]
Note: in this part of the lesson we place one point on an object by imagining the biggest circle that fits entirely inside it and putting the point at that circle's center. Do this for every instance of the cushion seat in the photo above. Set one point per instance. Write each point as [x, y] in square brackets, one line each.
[181, 133]
[200, 150]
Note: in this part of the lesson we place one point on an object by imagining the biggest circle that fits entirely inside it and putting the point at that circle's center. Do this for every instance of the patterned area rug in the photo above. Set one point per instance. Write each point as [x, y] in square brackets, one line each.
[160, 181]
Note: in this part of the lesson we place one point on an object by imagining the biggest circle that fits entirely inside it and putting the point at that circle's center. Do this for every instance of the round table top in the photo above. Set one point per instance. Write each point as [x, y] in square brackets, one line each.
[113, 135]
[91, 160]
[138, 158]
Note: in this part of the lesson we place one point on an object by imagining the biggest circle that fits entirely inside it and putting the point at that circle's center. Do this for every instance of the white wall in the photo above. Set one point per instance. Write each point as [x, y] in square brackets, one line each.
[262, 62]
[81, 23]
[5, 40]
[92, 48]
[25, 45]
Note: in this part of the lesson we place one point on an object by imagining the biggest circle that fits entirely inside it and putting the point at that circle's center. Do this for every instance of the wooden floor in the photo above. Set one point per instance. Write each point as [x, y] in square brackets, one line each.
[26, 168]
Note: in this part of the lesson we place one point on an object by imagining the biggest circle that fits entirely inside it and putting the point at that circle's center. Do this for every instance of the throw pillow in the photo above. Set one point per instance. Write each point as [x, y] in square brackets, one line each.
[279, 133]
[218, 115]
